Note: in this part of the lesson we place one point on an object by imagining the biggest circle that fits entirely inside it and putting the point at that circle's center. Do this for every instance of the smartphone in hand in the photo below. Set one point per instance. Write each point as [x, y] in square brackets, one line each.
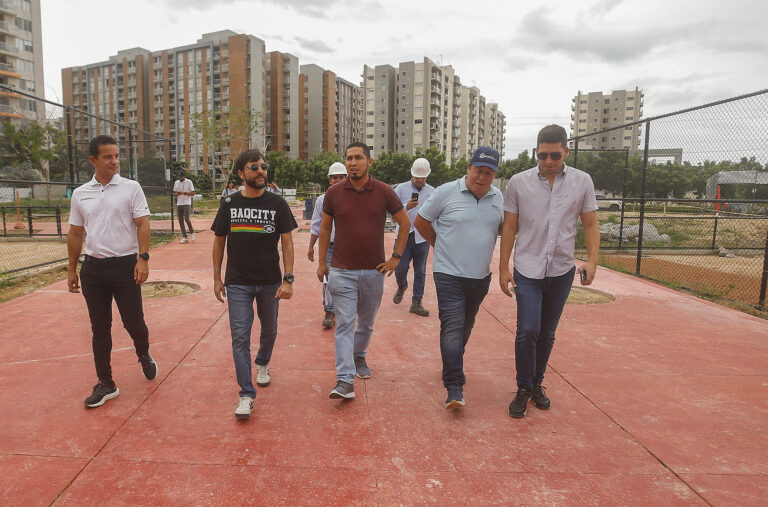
[415, 196]
[583, 275]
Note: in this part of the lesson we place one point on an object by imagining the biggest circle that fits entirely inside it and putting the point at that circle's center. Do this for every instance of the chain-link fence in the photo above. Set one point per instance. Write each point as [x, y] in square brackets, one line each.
[44, 156]
[683, 197]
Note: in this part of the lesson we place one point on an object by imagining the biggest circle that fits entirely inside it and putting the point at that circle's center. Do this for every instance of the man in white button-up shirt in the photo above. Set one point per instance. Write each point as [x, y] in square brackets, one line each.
[114, 213]
[541, 207]
[184, 191]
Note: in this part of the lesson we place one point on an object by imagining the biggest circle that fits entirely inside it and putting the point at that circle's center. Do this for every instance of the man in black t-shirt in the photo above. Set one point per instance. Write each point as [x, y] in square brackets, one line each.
[250, 224]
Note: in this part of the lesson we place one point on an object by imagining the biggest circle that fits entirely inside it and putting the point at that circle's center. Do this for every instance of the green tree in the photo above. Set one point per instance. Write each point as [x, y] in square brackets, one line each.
[317, 168]
[391, 167]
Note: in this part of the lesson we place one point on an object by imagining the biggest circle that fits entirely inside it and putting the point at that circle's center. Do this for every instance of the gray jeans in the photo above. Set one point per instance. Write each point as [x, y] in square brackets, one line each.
[183, 211]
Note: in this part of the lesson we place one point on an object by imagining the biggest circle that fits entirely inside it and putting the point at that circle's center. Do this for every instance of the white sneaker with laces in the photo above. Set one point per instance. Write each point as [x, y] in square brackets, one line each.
[183, 240]
[244, 407]
[262, 376]
[194, 236]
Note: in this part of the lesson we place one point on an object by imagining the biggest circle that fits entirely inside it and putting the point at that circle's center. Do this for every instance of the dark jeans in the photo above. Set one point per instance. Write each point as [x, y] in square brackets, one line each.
[101, 280]
[183, 211]
[458, 301]
[419, 253]
[241, 299]
[540, 303]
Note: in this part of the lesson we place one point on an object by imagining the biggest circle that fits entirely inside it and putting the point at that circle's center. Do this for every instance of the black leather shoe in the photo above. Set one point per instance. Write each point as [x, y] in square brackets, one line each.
[398, 297]
[520, 403]
[539, 398]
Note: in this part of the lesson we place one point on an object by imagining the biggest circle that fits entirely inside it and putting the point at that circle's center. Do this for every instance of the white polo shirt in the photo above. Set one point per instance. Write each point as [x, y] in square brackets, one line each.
[183, 186]
[107, 213]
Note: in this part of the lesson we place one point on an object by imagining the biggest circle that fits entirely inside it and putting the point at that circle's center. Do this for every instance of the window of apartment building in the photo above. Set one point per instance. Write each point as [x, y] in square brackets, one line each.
[582, 130]
[608, 100]
[605, 120]
[582, 111]
[382, 135]
[627, 138]
[24, 45]
[383, 123]
[370, 78]
[627, 128]
[369, 124]
[418, 110]
[370, 90]
[606, 110]
[594, 120]
[603, 139]
[630, 99]
[383, 100]
[417, 121]
[369, 102]
[615, 119]
[583, 121]
[596, 110]
[402, 85]
[402, 122]
[584, 101]
[27, 66]
[615, 109]
[369, 136]
[383, 111]
[368, 113]
[630, 108]
[23, 24]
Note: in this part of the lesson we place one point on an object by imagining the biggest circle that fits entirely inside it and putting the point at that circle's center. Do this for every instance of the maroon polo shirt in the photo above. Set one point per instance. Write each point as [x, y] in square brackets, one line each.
[359, 216]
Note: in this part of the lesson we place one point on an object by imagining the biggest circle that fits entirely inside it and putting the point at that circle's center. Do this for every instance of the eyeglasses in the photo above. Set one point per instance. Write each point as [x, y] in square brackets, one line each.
[555, 155]
[255, 167]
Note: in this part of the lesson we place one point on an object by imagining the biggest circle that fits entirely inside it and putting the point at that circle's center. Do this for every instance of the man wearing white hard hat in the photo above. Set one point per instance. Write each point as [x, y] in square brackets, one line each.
[336, 173]
[413, 194]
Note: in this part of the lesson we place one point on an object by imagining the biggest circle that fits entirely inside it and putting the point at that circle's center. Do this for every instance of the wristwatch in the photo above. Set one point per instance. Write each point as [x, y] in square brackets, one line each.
[288, 277]
[144, 256]
[396, 255]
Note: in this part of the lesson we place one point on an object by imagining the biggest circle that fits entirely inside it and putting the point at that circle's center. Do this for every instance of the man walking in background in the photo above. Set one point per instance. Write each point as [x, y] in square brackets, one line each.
[114, 214]
[413, 194]
[184, 190]
[336, 173]
[541, 207]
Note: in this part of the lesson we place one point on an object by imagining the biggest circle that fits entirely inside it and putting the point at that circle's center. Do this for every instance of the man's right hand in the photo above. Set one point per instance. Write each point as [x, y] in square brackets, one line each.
[311, 253]
[412, 204]
[73, 282]
[505, 278]
[322, 271]
[219, 290]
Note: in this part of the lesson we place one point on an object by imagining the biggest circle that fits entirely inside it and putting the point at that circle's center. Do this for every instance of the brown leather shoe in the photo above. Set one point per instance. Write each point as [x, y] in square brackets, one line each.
[418, 309]
[329, 321]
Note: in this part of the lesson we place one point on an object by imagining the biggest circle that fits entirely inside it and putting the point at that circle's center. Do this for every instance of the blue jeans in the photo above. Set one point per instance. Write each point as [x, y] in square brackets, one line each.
[540, 303]
[458, 301]
[327, 298]
[419, 253]
[241, 299]
[356, 296]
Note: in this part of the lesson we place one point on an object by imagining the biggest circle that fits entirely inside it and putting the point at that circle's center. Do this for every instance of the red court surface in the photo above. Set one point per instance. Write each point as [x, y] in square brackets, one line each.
[658, 398]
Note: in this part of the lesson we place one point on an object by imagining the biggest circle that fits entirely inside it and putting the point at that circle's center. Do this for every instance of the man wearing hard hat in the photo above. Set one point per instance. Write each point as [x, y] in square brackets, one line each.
[336, 173]
[413, 194]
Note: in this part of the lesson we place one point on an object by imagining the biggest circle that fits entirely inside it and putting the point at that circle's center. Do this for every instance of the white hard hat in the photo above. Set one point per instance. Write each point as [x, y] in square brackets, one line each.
[420, 168]
[337, 168]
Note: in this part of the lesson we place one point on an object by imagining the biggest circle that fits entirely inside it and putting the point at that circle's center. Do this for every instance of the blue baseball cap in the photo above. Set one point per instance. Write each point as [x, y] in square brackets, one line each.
[486, 156]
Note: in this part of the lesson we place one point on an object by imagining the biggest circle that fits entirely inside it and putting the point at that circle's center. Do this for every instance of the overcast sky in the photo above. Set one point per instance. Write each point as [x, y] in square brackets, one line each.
[530, 60]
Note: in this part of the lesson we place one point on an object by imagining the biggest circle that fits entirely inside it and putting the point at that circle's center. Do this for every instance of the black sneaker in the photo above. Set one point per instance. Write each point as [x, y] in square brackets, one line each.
[343, 390]
[329, 320]
[455, 398]
[361, 368]
[539, 398]
[101, 393]
[148, 366]
[398, 297]
[520, 403]
[418, 309]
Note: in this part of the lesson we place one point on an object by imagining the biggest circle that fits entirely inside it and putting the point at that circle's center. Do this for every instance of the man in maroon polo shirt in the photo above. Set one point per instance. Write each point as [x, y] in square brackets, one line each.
[358, 207]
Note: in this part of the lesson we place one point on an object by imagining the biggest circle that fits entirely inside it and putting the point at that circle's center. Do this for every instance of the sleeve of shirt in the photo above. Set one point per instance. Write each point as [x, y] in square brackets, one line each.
[285, 220]
[176, 186]
[328, 202]
[400, 190]
[510, 197]
[393, 201]
[139, 204]
[317, 217]
[590, 201]
[191, 186]
[434, 205]
[75, 212]
[220, 225]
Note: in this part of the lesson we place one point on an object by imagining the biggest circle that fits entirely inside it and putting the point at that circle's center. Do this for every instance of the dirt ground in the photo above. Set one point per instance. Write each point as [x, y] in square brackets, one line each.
[17, 254]
[167, 289]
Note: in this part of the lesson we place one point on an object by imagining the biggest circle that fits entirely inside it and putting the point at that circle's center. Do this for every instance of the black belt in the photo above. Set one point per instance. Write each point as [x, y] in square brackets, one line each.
[106, 260]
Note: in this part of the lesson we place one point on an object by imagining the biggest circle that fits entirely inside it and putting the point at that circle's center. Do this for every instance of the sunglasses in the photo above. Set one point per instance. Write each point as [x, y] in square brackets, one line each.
[555, 155]
[255, 167]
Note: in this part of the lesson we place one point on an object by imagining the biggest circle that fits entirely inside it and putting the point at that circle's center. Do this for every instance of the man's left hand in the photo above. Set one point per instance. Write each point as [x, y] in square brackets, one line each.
[285, 291]
[141, 271]
[388, 267]
[590, 269]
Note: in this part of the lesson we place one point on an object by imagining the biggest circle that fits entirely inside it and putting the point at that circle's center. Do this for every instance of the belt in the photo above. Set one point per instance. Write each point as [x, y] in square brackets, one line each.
[105, 260]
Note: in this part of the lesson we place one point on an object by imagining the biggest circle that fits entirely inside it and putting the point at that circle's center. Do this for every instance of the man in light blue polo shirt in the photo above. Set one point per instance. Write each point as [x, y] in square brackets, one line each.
[468, 215]
[413, 194]
[541, 207]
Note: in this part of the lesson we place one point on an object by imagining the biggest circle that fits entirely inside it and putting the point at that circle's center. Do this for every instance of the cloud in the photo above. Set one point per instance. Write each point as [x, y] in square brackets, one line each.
[316, 46]
[310, 8]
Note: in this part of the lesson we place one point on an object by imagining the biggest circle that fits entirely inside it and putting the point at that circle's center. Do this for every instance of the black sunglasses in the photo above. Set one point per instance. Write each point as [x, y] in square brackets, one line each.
[555, 155]
[255, 167]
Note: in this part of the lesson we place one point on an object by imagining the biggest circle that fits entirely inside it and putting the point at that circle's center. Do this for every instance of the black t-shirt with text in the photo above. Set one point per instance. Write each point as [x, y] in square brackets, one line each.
[253, 226]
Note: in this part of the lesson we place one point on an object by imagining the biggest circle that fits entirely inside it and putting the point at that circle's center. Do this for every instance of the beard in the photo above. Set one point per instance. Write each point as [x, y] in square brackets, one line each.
[358, 176]
[257, 182]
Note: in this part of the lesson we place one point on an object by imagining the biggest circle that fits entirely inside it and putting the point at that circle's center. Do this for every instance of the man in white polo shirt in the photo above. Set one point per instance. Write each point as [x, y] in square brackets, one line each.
[114, 213]
[184, 190]
[541, 207]
[467, 213]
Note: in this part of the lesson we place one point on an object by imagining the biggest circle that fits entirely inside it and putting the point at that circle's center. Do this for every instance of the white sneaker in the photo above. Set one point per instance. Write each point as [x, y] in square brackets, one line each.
[262, 376]
[244, 407]
[183, 240]
[194, 236]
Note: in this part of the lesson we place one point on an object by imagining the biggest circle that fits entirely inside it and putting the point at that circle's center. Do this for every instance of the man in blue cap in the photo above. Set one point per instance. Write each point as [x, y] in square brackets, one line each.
[470, 207]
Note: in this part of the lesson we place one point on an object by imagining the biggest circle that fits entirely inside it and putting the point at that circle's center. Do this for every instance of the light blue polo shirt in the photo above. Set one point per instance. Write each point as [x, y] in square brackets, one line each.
[466, 227]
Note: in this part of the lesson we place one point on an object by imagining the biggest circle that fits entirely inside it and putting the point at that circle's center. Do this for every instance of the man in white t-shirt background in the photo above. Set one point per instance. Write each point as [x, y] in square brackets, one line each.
[183, 190]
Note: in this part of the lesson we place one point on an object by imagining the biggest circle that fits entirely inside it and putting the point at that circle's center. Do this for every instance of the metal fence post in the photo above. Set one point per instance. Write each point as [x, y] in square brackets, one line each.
[575, 152]
[29, 219]
[623, 196]
[5, 228]
[130, 155]
[172, 223]
[642, 197]
[70, 157]
[58, 220]
[714, 231]
[764, 281]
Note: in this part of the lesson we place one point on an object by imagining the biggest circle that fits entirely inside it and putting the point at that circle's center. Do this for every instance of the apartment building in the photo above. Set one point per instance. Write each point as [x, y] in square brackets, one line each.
[21, 59]
[495, 128]
[595, 111]
[348, 115]
[164, 91]
[423, 104]
[283, 99]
